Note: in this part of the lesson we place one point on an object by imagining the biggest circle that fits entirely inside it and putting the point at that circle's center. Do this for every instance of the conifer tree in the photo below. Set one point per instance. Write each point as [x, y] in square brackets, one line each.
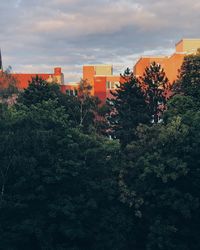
[188, 82]
[157, 89]
[128, 108]
[38, 91]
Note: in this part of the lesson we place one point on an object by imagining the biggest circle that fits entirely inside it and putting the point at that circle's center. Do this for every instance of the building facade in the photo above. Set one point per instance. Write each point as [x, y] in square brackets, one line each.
[23, 79]
[172, 63]
[100, 78]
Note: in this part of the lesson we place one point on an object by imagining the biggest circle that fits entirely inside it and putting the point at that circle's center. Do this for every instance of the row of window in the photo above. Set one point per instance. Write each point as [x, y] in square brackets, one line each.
[72, 92]
[111, 85]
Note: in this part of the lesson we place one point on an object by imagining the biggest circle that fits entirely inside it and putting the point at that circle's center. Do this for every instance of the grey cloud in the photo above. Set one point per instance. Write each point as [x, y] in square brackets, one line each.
[40, 34]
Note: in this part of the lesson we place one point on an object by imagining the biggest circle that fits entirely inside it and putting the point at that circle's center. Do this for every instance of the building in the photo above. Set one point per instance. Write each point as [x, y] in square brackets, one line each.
[101, 78]
[23, 79]
[70, 88]
[172, 63]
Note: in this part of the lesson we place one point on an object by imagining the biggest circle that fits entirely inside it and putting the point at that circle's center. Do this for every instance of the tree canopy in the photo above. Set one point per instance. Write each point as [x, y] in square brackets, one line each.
[128, 108]
[157, 90]
[66, 185]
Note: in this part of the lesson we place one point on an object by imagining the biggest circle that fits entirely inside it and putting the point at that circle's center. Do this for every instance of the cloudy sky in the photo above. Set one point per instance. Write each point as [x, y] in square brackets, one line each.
[37, 35]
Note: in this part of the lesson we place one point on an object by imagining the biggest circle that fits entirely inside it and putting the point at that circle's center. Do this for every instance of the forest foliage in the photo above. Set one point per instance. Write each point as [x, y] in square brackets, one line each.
[78, 175]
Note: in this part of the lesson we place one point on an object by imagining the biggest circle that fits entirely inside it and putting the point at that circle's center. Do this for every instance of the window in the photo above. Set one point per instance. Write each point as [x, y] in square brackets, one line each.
[107, 85]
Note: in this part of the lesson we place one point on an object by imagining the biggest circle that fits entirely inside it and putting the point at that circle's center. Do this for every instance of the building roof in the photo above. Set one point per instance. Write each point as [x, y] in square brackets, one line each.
[188, 39]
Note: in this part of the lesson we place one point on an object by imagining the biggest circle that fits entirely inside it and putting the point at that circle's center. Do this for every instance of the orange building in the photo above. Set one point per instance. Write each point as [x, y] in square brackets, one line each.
[70, 88]
[171, 64]
[23, 79]
[101, 78]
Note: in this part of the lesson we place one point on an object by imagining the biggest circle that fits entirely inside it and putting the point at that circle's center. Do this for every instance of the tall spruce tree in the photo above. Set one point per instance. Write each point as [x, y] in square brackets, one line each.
[188, 82]
[157, 89]
[128, 108]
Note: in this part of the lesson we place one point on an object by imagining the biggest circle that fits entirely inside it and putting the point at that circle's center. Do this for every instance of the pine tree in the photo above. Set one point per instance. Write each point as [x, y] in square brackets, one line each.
[38, 91]
[189, 78]
[128, 109]
[157, 89]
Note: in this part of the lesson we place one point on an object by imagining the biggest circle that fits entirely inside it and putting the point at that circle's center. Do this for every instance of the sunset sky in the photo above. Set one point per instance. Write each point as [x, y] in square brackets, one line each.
[37, 35]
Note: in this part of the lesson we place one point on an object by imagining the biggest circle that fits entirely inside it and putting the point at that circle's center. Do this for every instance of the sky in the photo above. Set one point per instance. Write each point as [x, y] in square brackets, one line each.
[38, 35]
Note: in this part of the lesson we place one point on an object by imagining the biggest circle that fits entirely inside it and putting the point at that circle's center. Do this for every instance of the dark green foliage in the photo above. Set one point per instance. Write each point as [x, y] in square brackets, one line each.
[128, 109]
[161, 182]
[157, 89]
[58, 186]
[62, 186]
[189, 78]
[38, 91]
[82, 110]
[180, 105]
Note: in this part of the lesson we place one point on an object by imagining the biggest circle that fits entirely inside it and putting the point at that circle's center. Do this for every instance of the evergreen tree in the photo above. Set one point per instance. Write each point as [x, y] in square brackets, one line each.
[128, 108]
[38, 91]
[188, 82]
[157, 90]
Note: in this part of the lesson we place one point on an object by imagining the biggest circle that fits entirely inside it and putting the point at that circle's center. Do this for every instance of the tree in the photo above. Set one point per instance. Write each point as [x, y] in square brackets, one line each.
[8, 88]
[188, 82]
[82, 110]
[160, 181]
[128, 108]
[85, 111]
[38, 91]
[88, 105]
[179, 105]
[157, 89]
[60, 191]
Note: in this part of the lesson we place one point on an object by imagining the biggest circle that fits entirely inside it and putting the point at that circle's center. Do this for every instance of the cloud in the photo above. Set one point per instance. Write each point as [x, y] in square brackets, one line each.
[37, 35]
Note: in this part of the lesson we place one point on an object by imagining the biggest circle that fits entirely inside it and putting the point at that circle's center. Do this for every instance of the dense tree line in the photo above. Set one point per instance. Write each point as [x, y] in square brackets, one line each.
[66, 184]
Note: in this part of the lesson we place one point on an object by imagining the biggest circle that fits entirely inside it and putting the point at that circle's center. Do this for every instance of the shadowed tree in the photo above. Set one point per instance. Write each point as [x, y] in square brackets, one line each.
[128, 108]
[188, 82]
[157, 90]
[60, 190]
